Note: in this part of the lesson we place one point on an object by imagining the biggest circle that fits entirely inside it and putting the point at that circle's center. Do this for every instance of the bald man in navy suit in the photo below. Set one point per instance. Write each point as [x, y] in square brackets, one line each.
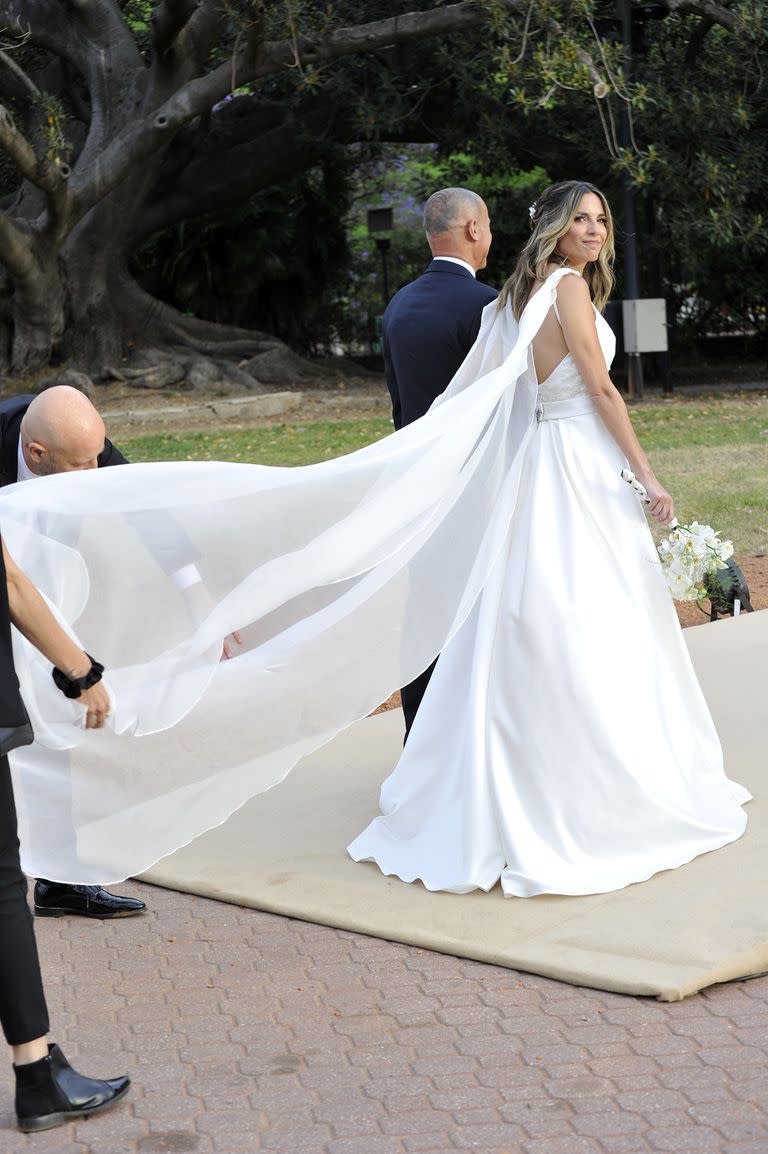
[431, 324]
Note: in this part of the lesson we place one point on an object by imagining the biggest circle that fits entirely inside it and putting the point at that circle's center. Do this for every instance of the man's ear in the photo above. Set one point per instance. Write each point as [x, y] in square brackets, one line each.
[473, 229]
[36, 452]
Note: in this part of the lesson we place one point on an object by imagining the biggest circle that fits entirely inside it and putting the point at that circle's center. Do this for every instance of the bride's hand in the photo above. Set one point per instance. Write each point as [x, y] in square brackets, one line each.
[660, 503]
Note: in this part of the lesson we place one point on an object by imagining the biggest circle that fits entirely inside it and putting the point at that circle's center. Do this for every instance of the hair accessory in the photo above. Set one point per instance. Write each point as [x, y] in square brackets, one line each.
[74, 686]
[532, 210]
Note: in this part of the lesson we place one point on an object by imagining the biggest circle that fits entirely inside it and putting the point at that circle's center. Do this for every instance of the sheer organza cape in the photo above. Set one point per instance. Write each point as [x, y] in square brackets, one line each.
[345, 578]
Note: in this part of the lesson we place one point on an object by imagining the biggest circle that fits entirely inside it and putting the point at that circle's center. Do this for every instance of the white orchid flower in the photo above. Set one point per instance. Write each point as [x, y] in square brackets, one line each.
[689, 553]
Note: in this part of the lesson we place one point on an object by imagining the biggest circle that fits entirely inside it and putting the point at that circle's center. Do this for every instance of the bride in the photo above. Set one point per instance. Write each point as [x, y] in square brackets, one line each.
[564, 745]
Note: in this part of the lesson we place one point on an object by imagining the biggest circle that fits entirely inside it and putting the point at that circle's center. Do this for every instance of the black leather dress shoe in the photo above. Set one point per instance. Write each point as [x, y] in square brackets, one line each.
[56, 900]
[49, 1092]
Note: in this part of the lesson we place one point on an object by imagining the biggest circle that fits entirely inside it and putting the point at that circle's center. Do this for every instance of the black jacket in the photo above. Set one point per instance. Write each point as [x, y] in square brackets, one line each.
[429, 327]
[12, 411]
[163, 537]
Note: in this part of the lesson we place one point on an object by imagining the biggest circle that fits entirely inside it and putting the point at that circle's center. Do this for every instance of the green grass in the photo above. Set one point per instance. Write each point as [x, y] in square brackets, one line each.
[274, 445]
[714, 423]
[712, 454]
[727, 488]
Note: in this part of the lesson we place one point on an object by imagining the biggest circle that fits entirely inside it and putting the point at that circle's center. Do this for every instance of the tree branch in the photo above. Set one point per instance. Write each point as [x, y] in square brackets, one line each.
[708, 8]
[40, 21]
[18, 147]
[168, 20]
[372, 37]
[15, 248]
[201, 33]
[50, 178]
[225, 172]
[25, 81]
[103, 24]
[182, 49]
[252, 144]
[379, 34]
[18, 16]
[255, 61]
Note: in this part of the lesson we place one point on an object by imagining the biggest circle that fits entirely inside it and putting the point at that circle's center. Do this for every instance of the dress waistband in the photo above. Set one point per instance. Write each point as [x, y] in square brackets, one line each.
[558, 410]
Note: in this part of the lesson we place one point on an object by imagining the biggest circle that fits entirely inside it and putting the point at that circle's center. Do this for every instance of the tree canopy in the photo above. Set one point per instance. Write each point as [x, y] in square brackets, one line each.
[118, 125]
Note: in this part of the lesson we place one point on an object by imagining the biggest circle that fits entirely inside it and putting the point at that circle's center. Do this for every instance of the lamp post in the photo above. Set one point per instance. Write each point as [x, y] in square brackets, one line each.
[379, 227]
[634, 362]
[647, 319]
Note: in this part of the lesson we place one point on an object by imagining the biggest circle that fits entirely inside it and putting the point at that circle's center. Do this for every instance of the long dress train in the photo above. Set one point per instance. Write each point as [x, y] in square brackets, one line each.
[346, 579]
[563, 744]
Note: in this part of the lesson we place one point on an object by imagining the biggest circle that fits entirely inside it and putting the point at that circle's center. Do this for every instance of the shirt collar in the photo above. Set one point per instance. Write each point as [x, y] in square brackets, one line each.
[457, 260]
[23, 472]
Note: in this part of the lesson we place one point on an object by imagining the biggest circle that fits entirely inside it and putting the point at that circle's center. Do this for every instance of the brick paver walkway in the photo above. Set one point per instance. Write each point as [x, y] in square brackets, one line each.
[245, 1031]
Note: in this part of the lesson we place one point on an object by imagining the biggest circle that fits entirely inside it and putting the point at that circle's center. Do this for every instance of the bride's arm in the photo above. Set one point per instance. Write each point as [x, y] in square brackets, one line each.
[578, 322]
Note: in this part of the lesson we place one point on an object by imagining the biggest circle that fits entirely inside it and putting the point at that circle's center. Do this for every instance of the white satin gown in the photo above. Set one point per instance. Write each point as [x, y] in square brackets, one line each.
[563, 744]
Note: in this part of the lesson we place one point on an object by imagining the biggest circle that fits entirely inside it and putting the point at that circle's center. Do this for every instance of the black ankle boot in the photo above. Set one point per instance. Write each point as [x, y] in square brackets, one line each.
[49, 1092]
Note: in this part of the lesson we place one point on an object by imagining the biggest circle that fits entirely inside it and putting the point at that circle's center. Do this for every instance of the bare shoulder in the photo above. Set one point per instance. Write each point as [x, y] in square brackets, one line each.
[573, 298]
[573, 288]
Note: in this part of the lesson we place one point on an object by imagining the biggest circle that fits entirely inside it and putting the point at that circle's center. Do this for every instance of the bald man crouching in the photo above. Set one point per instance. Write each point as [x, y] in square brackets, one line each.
[59, 431]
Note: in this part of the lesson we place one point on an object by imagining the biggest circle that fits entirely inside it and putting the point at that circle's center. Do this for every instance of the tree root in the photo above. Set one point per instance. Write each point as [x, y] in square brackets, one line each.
[154, 324]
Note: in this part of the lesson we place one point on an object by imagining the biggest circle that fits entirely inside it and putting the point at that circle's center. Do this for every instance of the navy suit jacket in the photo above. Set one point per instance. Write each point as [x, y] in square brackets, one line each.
[12, 410]
[429, 327]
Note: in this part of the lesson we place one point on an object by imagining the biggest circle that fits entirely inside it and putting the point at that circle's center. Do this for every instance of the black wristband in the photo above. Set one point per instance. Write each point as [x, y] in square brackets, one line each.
[74, 686]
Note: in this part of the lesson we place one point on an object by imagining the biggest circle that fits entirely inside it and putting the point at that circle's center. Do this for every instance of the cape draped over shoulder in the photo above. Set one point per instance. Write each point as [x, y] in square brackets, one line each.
[345, 578]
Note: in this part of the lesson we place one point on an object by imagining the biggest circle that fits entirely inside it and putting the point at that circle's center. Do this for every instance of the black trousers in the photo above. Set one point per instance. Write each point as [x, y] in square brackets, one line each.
[411, 696]
[23, 1012]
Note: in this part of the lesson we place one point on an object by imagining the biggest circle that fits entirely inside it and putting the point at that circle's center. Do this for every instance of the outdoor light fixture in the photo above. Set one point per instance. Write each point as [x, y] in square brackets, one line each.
[379, 226]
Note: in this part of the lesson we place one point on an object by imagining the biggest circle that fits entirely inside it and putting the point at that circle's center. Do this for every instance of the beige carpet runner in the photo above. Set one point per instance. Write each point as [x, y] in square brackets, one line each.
[668, 937]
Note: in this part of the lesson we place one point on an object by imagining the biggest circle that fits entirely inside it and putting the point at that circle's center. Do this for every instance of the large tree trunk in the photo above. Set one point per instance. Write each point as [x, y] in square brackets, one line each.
[94, 256]
[95, 329]
[38, 315]
[75, 298]
[84, 306]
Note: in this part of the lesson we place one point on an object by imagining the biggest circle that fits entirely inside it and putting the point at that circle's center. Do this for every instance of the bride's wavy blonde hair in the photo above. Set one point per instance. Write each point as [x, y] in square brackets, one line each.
[551, 216]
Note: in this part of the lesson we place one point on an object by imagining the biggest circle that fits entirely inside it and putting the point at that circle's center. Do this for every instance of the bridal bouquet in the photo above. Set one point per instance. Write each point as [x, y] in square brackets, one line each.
[690, 554]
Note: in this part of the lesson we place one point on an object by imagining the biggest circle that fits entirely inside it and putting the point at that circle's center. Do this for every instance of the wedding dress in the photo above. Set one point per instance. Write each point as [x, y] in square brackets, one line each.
[505, 542]
[563, 744]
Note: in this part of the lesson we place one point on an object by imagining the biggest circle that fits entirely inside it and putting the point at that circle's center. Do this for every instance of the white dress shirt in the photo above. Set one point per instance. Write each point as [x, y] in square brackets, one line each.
[23, 471]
